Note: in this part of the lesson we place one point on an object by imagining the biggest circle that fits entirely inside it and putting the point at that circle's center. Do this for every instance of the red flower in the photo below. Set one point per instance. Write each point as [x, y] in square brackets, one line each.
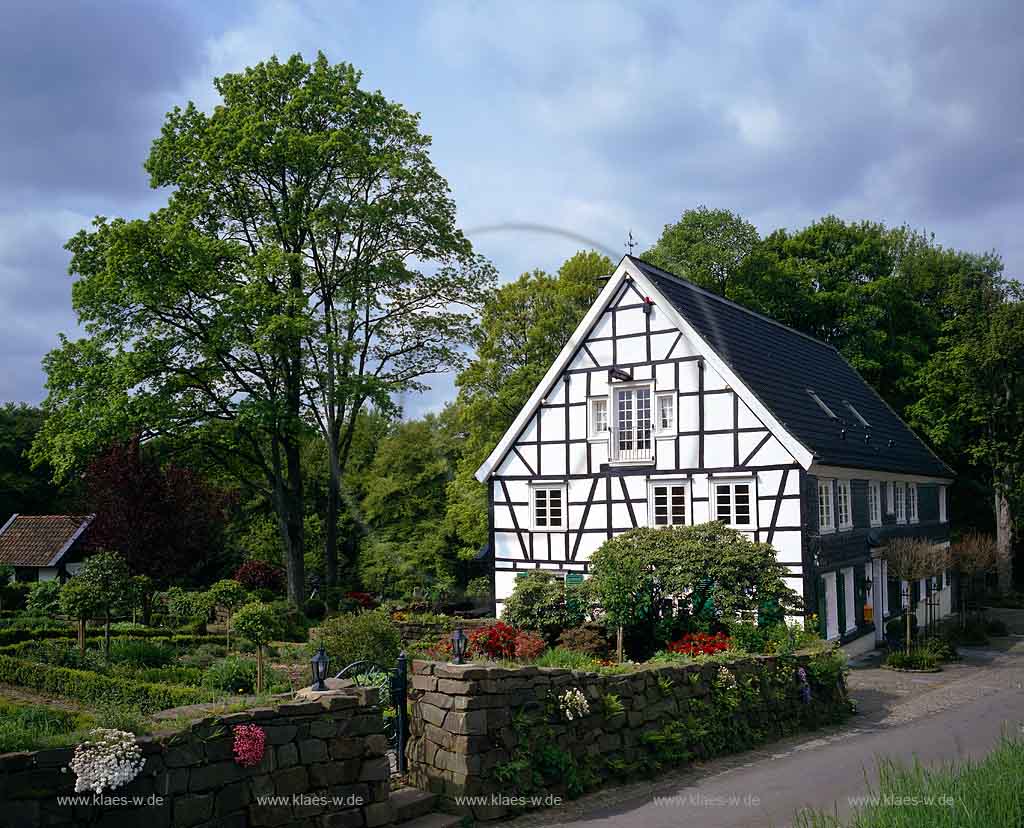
[364, 599]
[700, 644]
[250, 741]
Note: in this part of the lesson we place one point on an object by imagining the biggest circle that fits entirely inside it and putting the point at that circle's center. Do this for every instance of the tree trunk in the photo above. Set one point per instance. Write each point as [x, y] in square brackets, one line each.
[259, 669]
[331, 540]
[618, 644]
[106, 636]
[1004, 540]
[81, 636]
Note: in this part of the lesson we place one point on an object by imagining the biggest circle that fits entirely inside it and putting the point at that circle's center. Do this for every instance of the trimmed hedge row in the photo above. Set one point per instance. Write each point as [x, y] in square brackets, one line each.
[11, 637]
[89, 687]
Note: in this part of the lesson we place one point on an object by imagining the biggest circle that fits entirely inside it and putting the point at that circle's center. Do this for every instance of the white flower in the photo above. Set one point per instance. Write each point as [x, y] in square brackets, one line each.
[573, 703]
[112, 760]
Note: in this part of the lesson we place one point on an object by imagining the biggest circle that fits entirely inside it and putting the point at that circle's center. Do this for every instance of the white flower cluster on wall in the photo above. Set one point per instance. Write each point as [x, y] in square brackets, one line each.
[109, 760]
[573, 704]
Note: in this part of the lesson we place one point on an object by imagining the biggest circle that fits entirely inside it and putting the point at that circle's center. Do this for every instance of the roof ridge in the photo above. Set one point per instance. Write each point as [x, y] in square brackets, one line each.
[712, 295]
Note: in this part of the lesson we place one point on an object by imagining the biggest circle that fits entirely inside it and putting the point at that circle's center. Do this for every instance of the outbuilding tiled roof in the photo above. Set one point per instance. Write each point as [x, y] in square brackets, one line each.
[780, 365]
[40, 540]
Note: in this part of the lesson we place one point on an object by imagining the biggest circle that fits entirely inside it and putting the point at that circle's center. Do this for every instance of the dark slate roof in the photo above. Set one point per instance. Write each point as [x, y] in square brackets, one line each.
[778, 364]
[39, 540]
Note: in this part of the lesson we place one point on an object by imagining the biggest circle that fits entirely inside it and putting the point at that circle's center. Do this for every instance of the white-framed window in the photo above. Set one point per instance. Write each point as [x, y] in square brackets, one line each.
[826, 515]
[548, 507]
[912, 502]
[901, 502]
[857, 415]
[667, 503]
[843, 504]
[597, 416]
[734, 502]
[875, 502]
[665, 414]
[821, 404]
[943, 517]
[632, 438]
[890, 501]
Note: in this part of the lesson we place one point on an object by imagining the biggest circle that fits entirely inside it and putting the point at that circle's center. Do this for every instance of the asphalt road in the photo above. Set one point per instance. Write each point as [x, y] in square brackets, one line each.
[938, 718]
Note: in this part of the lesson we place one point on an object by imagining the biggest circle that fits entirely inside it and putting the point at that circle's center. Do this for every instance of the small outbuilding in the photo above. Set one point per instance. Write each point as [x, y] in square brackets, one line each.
[44, 547]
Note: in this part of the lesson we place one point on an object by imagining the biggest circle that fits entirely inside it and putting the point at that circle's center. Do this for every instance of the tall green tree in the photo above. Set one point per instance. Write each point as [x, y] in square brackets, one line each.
[24, 489]
[278, 290]
[972, 395]
[707, 246]
[523, 326]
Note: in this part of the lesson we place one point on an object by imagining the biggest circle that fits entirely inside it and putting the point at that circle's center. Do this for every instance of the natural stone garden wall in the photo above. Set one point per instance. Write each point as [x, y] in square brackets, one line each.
[423, 631]
[327, 758]
[502, 733]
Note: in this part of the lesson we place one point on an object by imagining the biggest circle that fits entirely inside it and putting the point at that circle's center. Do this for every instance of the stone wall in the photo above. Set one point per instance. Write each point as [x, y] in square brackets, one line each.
[502, 733]
[326, 758]
[423, 631]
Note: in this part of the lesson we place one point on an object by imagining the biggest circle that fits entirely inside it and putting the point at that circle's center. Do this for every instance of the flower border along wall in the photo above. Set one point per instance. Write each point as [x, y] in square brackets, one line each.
[500, 734]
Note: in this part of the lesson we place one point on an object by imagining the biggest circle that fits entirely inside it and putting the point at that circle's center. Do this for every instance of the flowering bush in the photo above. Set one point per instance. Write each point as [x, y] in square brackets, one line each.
[255, 575]
[496, 641]
[108, 761]
[364, 599]
[805, 686]
[693, 644]
[529, 645]
[573, 704]
[250, 742]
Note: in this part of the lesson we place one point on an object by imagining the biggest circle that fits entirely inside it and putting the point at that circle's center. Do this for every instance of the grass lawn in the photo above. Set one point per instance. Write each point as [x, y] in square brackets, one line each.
[981, 794]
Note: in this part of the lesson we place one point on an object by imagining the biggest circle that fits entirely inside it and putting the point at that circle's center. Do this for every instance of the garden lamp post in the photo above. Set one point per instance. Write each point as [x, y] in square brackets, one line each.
[460, 643]
[320, 662]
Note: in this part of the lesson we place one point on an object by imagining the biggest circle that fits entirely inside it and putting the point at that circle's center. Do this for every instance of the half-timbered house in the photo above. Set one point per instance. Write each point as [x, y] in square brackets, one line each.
[671, 405]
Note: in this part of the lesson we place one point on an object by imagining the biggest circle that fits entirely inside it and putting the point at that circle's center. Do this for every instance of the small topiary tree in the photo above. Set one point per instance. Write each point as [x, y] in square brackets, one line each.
[911, 559]
[541, 602]
[655, 581]
[183, 605]
[229, 595]
[260, 624]
[363, 636]
[78, 600]
[106, 574]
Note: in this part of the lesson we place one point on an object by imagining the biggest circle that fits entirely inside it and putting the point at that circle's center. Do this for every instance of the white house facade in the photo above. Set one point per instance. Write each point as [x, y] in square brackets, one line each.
[671, 405]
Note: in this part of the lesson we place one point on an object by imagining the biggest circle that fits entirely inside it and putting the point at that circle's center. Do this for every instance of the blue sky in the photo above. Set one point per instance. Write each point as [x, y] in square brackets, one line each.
[593, 117]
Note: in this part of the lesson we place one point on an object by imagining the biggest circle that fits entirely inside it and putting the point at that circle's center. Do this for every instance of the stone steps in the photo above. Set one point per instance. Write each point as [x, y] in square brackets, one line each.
[414, 808]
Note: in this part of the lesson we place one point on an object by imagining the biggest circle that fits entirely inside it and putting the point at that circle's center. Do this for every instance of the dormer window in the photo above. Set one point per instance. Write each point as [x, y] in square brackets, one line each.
[821, 404]
[857, 415]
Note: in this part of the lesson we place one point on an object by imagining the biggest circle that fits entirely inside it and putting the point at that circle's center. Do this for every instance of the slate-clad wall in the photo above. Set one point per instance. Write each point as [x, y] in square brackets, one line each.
[468, 721]
[333, 749]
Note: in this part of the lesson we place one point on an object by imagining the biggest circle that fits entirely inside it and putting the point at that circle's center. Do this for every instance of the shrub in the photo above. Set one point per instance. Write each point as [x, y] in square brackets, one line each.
[231, 675]
[256, 575]
[748, 637]
[693, 644]
[529, 645]
[364, 636]
[117, 716]
[362, 599]
[138, 652]
[495, 641]
[31, 727]
[784, 639]
[203, 656]
[566, 659]
[541, 602]
[314, 609]
[895, 629]
[591, 640]
[915, 659]
[292, 624]
[43, 597]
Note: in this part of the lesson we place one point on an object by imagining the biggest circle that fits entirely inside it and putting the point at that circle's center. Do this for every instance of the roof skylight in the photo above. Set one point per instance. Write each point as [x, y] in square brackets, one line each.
[822, 405]
[856, 414]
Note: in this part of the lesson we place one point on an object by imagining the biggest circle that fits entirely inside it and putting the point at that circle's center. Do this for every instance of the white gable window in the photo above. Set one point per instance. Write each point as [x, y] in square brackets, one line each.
[548, 507]
[912, 502]
[826, 515]
[598, 417]
[733, 503]
[943, 518]
[890, 502]
[843, 504]
[632, 433]
[875, 503]
[667, 503]
[901, 502]
[666, 413]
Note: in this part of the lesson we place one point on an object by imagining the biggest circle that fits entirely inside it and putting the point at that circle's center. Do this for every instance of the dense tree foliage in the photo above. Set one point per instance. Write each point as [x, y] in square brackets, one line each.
[165, 520]
[23, 489]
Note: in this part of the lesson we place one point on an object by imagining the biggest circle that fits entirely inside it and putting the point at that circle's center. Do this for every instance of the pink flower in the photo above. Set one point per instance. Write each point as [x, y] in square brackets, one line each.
[250, 741]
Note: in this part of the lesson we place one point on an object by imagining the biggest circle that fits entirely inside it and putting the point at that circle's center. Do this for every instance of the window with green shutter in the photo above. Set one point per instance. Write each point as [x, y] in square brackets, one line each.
[822, 609]
[841, 601]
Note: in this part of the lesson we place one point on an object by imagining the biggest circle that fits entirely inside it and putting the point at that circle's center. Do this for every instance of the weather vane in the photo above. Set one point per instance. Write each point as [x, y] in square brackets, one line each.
[630, 244]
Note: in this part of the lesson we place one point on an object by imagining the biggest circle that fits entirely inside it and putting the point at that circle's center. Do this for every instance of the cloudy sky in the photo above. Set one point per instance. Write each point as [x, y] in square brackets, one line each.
[596, 118]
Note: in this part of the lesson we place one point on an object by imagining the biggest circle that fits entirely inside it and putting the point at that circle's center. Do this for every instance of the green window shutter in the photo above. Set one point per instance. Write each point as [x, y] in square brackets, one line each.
[915, 593]
[861, 586]
[521, 575]
[822, 609]
[573, 578]
[769, 612]
[895, 597]
[841, 601]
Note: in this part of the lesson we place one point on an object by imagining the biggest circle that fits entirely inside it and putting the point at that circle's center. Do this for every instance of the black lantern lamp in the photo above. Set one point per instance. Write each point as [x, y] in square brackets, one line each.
[320, 662]
[460, 643]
